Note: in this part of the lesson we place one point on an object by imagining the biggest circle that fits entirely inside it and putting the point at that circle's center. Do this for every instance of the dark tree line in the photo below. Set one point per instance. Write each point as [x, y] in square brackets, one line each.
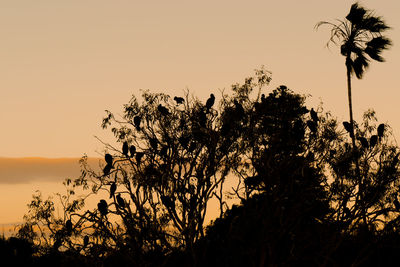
[291, 169]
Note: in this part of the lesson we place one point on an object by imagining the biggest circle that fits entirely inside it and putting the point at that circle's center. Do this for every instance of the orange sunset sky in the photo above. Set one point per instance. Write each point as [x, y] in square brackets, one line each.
[62, 63]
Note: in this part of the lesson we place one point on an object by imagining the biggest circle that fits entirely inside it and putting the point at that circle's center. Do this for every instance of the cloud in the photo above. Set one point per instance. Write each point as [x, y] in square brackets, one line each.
[31, 170]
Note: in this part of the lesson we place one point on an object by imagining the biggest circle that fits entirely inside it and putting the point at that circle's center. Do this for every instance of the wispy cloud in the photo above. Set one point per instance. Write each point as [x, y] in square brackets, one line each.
[30, 170]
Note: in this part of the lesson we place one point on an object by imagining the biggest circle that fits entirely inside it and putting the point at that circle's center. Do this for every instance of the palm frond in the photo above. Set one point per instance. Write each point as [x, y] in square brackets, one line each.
[359, 36]
[374, 24]
[361, 63]
[375, 47]
[356, 14]
[338, 31]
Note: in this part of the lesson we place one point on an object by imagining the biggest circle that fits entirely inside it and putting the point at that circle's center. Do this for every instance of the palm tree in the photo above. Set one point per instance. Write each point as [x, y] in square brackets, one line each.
[360, 37]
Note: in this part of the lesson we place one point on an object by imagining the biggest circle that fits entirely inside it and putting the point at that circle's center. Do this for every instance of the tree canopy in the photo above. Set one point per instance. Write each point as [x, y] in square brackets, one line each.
[290, 169]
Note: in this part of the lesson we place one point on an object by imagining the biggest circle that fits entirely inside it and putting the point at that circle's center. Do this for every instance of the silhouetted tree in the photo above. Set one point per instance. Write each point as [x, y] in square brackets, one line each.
[371, 202]
[360, 35]
[307, 197]
[172, 160]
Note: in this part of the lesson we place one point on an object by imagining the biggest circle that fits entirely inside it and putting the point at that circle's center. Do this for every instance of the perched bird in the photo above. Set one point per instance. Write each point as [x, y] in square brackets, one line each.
[136, 121]
[179, 100]
[163, 110]
[85, 240]
[68, 226]
[125, 148]
[373, 140]
[348, 127]
[364, 142]
[138, 157]
[132, 150]
[120, 201]
[210, 101]
[314, 115]
[312, 126]
[109, 159]
[113, 188]
[102, 207]
[381, 129]
[263, 99]
[107, 169]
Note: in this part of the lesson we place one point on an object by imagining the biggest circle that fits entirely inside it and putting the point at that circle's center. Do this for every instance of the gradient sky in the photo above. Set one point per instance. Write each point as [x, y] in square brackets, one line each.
[62, 63]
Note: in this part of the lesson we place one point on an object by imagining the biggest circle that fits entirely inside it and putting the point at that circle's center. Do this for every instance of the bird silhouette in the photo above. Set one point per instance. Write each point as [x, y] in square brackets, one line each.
[380, 131]
[102, 207]
[364, 142]
[136, 121]
[348, 127]
[132, 150]
[163, 110]
[68, 227]
[120, 201]
[314, 115]
[109, 159]
[210, 101]
[373, 140]
[107, 169]
[263, 99]
[179, 100]
[125, 149]
[113, 188]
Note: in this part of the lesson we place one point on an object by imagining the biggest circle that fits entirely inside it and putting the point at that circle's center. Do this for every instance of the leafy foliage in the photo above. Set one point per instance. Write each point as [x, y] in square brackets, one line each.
[293, 169]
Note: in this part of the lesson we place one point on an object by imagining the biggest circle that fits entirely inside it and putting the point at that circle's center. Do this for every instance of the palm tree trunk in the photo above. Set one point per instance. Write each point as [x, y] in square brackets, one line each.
[353, 139]
[348, 68]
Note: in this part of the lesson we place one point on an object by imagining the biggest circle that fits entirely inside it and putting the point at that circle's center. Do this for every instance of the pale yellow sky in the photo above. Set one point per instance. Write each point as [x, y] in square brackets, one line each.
[64, 62]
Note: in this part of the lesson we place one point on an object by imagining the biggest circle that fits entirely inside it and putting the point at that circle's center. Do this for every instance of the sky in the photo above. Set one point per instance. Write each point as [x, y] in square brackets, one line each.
[62, 63]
